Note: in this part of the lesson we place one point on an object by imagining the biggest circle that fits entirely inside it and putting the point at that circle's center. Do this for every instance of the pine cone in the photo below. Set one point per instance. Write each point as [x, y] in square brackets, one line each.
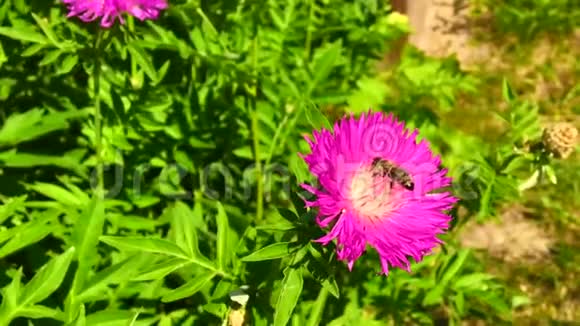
[560, 139]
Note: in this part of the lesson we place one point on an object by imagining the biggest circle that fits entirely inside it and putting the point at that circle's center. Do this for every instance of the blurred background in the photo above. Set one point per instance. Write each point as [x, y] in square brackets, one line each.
[204, 111]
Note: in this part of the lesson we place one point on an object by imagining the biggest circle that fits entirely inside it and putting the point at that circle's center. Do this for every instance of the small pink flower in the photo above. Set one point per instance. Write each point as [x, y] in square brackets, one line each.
[109, 10]
[398, 217]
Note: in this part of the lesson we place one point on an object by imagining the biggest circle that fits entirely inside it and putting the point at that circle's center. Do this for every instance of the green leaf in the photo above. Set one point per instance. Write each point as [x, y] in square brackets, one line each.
[283, 226]
[189, 288]
[143, 60]
[323, 64]
[26, 235]
[67, 65]
[50, 57]
[331, 286]
[459, 300]
[110, 318]
[273, 251]
[143, 244]
[47, 279]
[37, 312]
[156, 246]
[223, 252]
[316, 118]
[508, 93]
[516, 163]
[549, 171]
[44, 25]
[88, 229]
[185, 230]
[434, 296]
[25, 34]
[520, 300]
[57, 193]
[10, 296]
[26, 160]
[10, 207]
[160, 270]
[494, 301]
[81, 318]
[289, 295]
[114, 274]
[471, 281]
[34, 123]
[485, 201]
[288, 215]
[455, 266]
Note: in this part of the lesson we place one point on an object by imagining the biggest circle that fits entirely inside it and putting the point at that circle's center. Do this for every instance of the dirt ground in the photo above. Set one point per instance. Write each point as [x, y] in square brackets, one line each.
[441, 28]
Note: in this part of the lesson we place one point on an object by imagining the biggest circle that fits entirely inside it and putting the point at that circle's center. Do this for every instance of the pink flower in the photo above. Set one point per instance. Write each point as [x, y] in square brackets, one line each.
[109, 10]
[376, 187]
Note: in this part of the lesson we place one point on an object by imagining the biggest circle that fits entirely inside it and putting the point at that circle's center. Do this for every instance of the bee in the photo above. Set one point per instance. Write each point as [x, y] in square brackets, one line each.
[385, 168]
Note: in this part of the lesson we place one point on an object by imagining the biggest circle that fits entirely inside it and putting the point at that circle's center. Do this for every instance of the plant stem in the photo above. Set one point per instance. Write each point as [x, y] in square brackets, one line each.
[98, 117]
[308, 41]
[256, 137]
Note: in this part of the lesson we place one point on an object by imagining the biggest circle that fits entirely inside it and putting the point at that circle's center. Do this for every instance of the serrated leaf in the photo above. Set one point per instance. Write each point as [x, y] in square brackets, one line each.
[288, 297]
[273, 251]
[189, 288]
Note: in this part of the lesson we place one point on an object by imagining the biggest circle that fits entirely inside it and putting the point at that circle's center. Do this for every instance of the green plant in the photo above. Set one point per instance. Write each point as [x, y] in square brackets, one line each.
[196, 120]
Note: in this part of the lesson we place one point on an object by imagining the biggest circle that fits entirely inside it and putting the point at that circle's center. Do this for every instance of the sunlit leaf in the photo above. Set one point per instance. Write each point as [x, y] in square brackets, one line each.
[288, 297]
[273, 251]
[188, 289]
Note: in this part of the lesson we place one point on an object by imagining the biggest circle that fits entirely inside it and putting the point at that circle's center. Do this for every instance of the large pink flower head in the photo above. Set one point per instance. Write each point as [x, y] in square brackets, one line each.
[109, 10]
[376, 186]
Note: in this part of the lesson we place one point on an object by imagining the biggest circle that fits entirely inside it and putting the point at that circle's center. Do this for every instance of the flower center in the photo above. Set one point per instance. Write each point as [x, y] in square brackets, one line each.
[371, 196]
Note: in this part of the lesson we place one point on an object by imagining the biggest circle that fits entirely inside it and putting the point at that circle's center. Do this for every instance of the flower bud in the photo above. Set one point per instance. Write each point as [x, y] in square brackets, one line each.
[560, 139]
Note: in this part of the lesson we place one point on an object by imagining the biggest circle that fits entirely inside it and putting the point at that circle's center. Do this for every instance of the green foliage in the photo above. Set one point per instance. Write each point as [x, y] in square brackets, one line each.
[203, 114]
[528, 18]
